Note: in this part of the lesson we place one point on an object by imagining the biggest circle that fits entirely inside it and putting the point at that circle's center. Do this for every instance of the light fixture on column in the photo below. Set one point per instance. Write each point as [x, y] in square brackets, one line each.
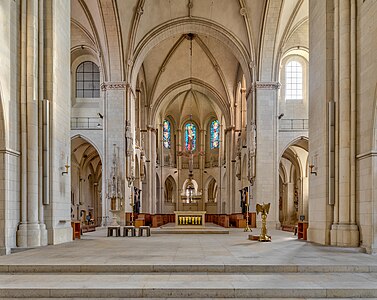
[313, 171]
[313, 165]
[66, 168]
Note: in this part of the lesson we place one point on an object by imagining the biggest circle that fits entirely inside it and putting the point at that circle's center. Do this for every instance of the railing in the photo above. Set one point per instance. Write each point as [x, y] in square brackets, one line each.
[293, 124]
[212, 164]
[186, 166]
[86, 123]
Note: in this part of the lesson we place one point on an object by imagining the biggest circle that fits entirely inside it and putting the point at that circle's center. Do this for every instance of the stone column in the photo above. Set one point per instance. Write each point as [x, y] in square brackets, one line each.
[152, 170]
[179, 149]
[202, 166]
[321, 87]
[114, 98]
[29, 232]
[303, 208]
[266, 180]
[345, 232]
[290, 207]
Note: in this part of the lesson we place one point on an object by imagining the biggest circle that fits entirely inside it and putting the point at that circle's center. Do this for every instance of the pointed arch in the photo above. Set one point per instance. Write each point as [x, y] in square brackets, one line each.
[170, 189]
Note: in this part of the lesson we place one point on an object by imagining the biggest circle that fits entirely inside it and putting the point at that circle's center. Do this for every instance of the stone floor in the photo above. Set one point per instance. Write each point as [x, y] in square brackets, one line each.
[189, 266]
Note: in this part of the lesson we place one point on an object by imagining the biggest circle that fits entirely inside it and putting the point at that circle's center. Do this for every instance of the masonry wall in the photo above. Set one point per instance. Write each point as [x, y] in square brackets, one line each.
[366, 205]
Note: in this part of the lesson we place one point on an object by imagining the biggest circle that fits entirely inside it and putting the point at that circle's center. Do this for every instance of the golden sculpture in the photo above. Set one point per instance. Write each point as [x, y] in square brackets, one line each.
[264, 209]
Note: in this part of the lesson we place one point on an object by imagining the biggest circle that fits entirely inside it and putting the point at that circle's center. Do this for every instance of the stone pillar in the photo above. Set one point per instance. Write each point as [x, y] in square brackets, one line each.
[179, 149]
[321, 87]
[202, 160]
[266, 180]
[114, 98]
[290, 207]
[303, 207]
[152, 170]
[345, 231]
[29, 233]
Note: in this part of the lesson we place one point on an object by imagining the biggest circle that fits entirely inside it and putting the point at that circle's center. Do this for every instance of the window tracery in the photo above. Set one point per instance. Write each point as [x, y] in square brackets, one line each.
[293, 77]
[87, 80]
[215, 134]
[166, 134]
[190, 136]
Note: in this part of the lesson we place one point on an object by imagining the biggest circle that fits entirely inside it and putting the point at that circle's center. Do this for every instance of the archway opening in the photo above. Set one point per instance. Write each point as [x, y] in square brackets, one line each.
[293, 184]
[86, 184]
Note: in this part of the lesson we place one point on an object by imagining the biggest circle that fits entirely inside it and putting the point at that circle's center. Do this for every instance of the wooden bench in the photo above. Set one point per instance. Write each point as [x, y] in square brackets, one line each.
[147, 230]
[129, 229]
[111, 229]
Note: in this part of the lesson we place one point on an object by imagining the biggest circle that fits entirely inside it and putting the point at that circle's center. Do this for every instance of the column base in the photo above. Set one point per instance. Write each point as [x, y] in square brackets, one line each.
[345, 235]
[28, 235]
[44, 240]
[59, 235]
[4, 251]
[318, 235]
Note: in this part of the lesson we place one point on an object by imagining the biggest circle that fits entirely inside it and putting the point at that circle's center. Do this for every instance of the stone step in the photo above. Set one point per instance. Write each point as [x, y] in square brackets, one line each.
[189, 285]
[197, 268]
[189, 231]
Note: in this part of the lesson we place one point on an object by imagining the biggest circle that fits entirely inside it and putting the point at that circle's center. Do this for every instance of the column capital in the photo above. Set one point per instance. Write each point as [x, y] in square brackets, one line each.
[117, 85]
[113, 85]
[267, 85]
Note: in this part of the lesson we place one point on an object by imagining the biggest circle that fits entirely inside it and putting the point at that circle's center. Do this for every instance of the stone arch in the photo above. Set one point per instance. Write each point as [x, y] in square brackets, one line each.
[90, 141]
[170, 189]
[211, 187]
[293, 181]
[187, 84]
[86, 180]
[194, 25]
[301, 141]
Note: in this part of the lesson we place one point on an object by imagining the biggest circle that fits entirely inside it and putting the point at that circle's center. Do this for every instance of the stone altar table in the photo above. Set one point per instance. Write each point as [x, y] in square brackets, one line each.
[186, 219]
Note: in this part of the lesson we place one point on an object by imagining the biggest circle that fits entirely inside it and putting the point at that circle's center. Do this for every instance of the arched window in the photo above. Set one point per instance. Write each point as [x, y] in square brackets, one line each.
[87, 80]
[215, 134]
[166, 134]
[293, 78]
[190, 136]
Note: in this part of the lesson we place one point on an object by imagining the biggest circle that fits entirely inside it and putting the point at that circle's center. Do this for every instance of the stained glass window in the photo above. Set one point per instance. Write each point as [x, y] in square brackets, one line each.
[293, 78]
[190, 136]
[166, 134]
[215, 134]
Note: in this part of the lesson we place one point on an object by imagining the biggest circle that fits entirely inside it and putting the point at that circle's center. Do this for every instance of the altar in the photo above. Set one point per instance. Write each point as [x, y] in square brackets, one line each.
[185, 219]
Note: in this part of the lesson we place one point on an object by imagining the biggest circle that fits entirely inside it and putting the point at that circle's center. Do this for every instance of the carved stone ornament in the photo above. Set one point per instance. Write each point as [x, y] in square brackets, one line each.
[243, 11]
[120, 85]
[274, 85]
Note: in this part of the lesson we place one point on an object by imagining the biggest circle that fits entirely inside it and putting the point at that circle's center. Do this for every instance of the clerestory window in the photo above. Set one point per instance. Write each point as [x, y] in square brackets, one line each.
[293, 79]
[87, 80]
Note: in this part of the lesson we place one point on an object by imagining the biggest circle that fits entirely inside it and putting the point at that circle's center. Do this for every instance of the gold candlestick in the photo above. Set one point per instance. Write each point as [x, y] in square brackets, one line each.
[247, 228]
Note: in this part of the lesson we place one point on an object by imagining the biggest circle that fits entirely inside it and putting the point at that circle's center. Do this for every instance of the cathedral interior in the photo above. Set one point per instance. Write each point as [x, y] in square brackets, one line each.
[112, 109]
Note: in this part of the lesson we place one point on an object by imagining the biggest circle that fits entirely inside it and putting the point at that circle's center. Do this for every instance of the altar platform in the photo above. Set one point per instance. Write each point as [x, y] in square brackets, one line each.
[208, 228]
